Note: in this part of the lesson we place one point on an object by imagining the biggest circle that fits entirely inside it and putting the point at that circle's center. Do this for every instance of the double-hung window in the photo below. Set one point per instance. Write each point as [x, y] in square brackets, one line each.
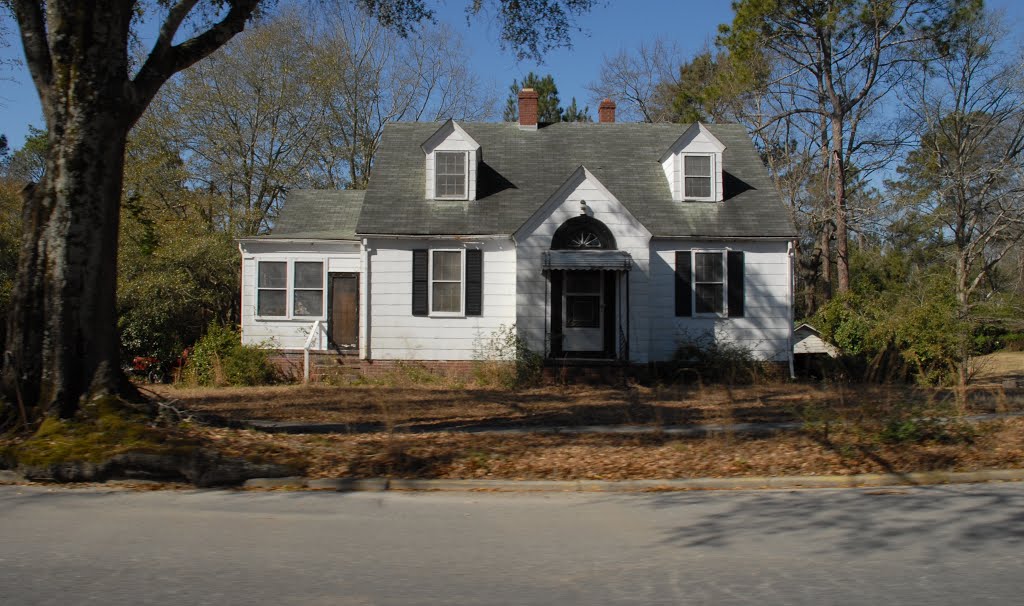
[708, 283]
[298, 283]
[272, 289]
[450, 175]
[308, 289]
[446, 281]
[698, 177]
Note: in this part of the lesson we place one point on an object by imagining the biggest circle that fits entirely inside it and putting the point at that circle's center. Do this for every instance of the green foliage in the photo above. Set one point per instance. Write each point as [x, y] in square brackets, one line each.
[921, 423]
[712, 359]
[219, 358]
[549, 108]
[913, 332]
[503, 359]
[28, 164]
[10, 245]
[102, 429]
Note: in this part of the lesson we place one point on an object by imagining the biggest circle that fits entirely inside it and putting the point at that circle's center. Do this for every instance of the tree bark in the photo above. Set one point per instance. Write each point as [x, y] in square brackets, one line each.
[62, 341]
[839, 175]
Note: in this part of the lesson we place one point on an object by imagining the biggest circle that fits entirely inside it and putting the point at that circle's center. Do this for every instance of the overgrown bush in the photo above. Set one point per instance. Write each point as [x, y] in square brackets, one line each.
[502, 358]
[708, 358]
[914, 335]
[219, 358]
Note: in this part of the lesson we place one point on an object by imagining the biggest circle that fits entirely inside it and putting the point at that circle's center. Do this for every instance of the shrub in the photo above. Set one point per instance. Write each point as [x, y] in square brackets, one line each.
[911, 335]
[219, 358]
[714, 359]
[504, 359]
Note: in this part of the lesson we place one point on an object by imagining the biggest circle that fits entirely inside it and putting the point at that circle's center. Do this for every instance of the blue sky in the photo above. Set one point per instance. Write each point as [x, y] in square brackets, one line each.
[605, 31]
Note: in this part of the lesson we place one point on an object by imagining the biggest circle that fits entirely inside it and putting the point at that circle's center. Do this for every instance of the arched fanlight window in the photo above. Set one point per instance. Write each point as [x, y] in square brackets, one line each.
[583, 233]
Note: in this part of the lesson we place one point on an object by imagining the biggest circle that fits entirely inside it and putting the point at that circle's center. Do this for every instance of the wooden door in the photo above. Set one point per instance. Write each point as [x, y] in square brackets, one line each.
[343, 310]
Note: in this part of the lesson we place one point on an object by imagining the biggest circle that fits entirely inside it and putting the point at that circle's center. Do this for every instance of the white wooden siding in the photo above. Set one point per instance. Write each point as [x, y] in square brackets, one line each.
[340, 256]
[765, 327]
[394, 333]
[532, 288]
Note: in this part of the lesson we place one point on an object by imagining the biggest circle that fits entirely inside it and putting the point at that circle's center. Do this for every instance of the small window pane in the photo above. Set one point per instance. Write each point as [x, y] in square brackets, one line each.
[697, 166]
[709, 298]
[582, 311]
[270, 303]
[708, 267]
[309, 274]
[698, 187]
[450, 171]
[272, 274]
[580, 282]
[448, 265]
[447, 296]
[309, 302]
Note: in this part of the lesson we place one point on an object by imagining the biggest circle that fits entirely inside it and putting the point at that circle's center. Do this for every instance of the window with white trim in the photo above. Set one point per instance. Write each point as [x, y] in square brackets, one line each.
[698, 177]
[450, 175]
[290, 289]
[446, 281]
[709, 282]
[308, 289]
[272, 289]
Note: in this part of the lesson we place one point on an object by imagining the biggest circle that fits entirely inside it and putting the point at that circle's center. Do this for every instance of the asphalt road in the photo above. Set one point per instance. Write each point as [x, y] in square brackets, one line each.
[936, 545]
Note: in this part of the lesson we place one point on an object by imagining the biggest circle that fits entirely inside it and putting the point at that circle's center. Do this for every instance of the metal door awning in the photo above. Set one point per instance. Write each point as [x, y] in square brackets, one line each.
[611, 260]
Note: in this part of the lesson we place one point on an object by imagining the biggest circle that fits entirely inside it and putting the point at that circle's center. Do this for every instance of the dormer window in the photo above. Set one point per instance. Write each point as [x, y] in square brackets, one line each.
[698, 177]
[693, 166]
[451, 175]
[451, 163]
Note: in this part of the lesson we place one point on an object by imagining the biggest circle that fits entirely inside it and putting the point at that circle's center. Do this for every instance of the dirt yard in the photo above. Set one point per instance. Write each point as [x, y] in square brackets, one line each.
[434, 407]
[409, 429]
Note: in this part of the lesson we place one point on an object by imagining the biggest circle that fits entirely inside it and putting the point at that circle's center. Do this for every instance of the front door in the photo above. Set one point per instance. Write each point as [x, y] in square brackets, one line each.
[343, 310]
[582, 302]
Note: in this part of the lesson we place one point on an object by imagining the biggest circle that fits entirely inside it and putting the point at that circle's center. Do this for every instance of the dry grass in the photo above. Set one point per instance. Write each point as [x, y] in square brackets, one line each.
[439, 407]
[998, 366]
[617, 457]
[405, 431]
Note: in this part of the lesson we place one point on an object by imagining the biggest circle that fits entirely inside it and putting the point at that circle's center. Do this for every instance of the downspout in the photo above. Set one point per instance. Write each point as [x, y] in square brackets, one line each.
[791, 253]
[367, 306]
[241, 290]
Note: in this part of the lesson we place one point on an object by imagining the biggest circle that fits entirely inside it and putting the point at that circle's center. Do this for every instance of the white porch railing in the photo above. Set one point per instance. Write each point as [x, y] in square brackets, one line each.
[317, 334]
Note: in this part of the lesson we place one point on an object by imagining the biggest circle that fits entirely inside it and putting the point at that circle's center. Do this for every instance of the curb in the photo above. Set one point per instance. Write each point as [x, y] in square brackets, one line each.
[923, 478]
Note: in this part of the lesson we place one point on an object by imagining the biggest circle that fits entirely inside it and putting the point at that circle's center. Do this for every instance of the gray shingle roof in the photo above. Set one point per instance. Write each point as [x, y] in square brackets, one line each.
[319, 214]
[521, 169]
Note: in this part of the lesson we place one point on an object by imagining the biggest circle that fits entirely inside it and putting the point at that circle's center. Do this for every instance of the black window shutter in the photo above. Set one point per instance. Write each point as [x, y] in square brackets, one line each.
[684, 284]
[735, 266]
[474, 282]
[419, 283]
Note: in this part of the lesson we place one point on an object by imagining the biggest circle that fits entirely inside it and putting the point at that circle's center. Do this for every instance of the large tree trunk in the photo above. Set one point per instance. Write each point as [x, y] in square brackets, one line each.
[61, 335]
[62, 341]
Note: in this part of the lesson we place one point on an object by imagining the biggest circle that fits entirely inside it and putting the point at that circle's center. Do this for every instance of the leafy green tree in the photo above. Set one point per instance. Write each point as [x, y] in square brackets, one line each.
[573, 113]
[62, 345]
[549, 107]
[28, 163]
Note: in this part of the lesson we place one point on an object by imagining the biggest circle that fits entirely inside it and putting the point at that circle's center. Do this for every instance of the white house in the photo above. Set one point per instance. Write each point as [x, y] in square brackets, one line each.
[597, 241]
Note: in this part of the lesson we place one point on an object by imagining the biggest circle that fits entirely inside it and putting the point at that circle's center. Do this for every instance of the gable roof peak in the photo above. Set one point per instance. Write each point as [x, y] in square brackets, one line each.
[446, 130]
[696, 130]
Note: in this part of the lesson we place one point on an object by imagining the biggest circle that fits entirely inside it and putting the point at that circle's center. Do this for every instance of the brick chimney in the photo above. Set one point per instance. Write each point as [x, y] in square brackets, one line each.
[606, 111]
[528, 109]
